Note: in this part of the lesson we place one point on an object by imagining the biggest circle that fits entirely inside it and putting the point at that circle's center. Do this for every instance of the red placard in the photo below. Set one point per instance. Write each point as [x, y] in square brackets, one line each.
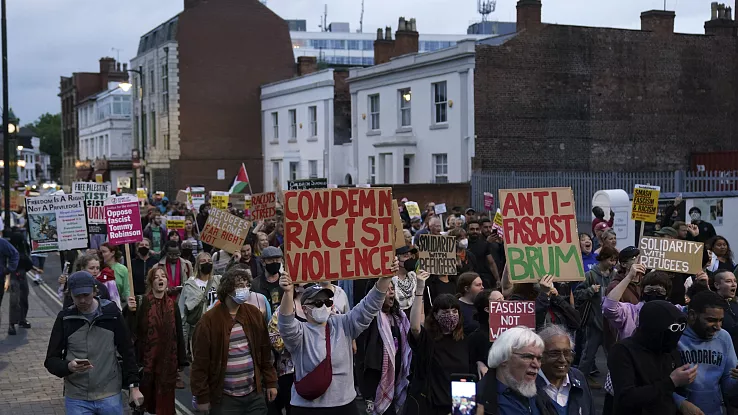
[489, 201]
[505, 315]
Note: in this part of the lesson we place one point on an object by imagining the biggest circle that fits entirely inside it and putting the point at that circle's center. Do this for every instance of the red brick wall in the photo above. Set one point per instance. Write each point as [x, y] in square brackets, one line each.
[596, 99]
[452, 194]
[227, 50]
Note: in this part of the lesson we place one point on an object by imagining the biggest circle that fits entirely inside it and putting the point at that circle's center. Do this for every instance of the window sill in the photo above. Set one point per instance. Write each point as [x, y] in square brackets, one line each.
[404, 130]
[374, 132]
[443, 126]
[292, 140]
[274, 142]
[312, 139]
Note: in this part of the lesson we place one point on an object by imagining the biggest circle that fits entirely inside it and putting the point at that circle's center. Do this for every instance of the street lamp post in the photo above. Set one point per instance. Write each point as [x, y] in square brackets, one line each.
[126, 86]
[6, 116]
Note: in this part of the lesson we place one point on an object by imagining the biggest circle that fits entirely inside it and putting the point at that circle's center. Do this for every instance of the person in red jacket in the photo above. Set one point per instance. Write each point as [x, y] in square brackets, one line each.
[600, 218]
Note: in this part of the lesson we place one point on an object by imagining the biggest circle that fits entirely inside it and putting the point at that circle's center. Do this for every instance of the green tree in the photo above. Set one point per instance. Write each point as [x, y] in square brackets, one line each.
[48, 129]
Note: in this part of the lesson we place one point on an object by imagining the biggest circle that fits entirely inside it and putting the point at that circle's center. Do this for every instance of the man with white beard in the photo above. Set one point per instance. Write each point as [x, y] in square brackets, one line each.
[509, 387]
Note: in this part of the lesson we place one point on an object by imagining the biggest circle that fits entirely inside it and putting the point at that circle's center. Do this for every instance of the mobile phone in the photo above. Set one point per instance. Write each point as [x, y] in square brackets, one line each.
[65, 270]
[463, 393]
[84, 362]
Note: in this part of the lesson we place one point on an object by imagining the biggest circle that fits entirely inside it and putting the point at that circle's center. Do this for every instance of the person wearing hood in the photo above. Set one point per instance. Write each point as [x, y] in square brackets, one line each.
[164, 205]
[709, 348]
[156, 232]
[645, 368]
[706, 230]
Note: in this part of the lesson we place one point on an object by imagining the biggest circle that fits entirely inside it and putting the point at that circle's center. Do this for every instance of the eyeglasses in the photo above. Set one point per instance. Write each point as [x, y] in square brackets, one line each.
[654, 289]
[319, 303]
[677, 327]
[528, 357]
[554, 354]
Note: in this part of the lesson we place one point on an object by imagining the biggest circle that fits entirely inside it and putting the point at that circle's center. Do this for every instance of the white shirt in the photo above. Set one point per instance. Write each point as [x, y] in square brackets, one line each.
[558, 395]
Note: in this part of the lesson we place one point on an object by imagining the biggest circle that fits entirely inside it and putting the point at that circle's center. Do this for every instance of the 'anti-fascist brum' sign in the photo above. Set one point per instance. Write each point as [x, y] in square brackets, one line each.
[123, 218]
[437, 254]
[673, 255]
[540, 232]
[225, 231]
[338, 234]
[645, 203]
[95, 196]
[504, 315]
[263, 206]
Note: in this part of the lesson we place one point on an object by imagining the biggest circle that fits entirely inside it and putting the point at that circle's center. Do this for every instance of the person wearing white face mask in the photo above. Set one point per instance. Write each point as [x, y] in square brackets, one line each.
[707, 231]
[321, 348]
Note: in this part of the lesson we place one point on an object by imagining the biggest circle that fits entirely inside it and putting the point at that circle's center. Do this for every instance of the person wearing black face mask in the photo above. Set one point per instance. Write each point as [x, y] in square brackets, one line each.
[268, 284]
[141, 265]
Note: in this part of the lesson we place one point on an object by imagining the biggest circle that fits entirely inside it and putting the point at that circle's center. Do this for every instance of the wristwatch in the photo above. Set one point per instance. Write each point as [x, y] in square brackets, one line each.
[132, 385]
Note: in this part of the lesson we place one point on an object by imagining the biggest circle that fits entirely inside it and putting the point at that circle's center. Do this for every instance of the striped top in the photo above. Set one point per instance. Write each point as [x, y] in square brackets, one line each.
[239, 374]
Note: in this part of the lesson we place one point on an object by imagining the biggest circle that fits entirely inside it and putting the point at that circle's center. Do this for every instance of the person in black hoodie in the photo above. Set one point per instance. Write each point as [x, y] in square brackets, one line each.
[644, 368]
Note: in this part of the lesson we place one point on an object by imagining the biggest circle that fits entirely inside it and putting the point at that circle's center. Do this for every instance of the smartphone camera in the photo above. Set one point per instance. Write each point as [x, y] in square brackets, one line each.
[463, 394]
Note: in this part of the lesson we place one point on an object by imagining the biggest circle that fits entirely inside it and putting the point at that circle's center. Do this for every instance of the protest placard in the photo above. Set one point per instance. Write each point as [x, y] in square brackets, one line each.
[176, 223]
[504, 315]
[57, 223]
[225, 231]
[437, 254]
[17, 199]
[489, 201]
[263, 206]
[645, 203]
[197, 197]
[335, 234]
[219, 200]
[123, 218]
[240, 201]
[440, 209]
[673, 255]
[413, 209]
[540, 231]
[307, 184]
[183, 196]
[95, 195]
[141, 195]
[397, 223]
[497, 225]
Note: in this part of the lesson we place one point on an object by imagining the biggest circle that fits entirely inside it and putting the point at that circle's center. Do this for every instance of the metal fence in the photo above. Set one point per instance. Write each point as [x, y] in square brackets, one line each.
[585, 184]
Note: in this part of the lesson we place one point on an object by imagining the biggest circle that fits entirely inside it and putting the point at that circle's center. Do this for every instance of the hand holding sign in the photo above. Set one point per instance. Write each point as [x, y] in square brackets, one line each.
[421, 276]
[286, 283]
[546, 283]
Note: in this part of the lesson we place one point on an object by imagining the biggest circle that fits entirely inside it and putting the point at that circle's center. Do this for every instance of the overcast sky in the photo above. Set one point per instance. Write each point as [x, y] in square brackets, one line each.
[51, 38]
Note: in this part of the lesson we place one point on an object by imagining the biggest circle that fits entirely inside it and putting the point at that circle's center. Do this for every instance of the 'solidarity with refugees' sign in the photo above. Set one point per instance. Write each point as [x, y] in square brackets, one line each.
[57, 223]
[673, 255]
[95, 196]
[437, 254]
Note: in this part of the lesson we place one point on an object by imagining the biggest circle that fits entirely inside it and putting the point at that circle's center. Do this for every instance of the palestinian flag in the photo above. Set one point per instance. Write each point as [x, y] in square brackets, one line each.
[241, 182]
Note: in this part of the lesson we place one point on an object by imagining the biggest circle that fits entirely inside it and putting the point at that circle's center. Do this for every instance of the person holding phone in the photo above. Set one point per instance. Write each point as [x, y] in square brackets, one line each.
[82, 350]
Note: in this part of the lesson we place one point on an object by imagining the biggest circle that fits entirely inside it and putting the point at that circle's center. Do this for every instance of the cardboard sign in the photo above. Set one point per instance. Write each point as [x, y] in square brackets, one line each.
[489, 201]
[57, 223]
[338, 234]
[497, 225]
[413, 209]
[225, 231]
[437, 254]
[264, 206]
[673, 255]
[183, 196]
[124, 220]
[219, 200]
[504, 315]
[307, 184]
[645, 203]
[498, 218]
[440, 208]
[17, 199]
[397, 223]
[540, 231]
[95, 196]
[240, 201]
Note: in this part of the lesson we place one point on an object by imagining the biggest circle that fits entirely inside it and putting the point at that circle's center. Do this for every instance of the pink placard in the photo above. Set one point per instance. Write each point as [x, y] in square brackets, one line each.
[489, 201]
[504, 315]
[124, 223]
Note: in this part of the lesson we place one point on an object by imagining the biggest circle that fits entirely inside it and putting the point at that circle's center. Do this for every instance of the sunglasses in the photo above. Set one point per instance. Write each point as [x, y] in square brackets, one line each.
[677, 327]
[319, 303]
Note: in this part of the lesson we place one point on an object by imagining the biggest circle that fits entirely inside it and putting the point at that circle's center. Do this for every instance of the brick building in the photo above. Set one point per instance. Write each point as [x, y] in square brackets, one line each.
[559, 97]
[72, 90]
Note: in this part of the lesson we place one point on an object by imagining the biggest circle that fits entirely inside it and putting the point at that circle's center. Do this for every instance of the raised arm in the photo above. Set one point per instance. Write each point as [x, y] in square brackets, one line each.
[617, 292]
[416, 312]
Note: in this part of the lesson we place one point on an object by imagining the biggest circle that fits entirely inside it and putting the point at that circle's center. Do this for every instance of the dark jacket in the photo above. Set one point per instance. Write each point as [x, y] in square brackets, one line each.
[580, 397]
[556, 308]
[210, 347]
[74, 337]
[147, 233]
[8, 257]
[641, 364]
[140, 270]
[138, 324]
[487, 396]
[585, 294]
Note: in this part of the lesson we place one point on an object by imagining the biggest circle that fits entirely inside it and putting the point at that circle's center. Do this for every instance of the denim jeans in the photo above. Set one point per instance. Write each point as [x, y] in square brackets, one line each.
[105, 406]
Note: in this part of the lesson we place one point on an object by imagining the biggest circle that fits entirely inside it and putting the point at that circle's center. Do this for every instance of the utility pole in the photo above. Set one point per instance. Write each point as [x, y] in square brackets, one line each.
[6, 116]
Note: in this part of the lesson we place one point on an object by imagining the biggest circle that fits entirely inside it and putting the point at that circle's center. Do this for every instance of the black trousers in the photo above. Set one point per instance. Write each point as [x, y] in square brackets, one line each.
[284, 393]
[18, 300]
[349, 409]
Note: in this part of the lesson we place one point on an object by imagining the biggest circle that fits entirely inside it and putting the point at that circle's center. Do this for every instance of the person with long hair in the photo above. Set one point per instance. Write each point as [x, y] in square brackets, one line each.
[262, 242]
[191, 235]
[721, 248]
[479, 342]
[111, 259]
[608, 238]
[156, 326]
[199, 294]
[468, 286]
[439, 349]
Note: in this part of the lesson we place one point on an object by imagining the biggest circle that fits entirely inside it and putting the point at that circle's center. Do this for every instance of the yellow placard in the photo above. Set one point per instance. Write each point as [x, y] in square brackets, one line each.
[413, 209]
[141, 193]
[498, 218]
[219, 200]
[645, 203]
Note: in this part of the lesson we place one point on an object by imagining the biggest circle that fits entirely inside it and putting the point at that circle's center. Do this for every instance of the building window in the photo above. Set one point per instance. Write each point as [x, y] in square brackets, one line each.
[165, 86]
[275, 126]
[153, 129]
[372, 170]
[276, 179]
[406, 97]
[406, 162]
[440, 103]
[100, 144]
[152, 88]
[374, 112]
[313, 169]
[106, 145]
[121, 105]
[354, 44]
[293, 170]
[440, 168]
[313, 116]
[293, 124]
[166, 141]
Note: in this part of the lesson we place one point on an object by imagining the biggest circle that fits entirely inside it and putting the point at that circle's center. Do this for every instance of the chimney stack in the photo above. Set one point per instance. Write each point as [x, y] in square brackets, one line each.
[529, 15]
[107, 65]
[306, 65]
[660, 22]
[721, 21]
[125, 67]
[406, 38]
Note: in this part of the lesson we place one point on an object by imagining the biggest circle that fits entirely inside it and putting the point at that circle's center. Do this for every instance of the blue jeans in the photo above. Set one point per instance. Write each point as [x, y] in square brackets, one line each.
[111, 405]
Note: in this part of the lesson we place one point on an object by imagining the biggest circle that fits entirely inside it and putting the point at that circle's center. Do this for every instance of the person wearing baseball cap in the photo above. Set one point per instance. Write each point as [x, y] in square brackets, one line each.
[598, 230]
[268, 284]
[668, 232]
[87, 335]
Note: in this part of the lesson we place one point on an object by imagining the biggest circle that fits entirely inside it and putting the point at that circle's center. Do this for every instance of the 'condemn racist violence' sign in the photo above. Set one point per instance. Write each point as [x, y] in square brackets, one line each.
[334, 234]
[671, 255]
[225, 231]
[123, 218]
[540, 232]
[437, 254]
